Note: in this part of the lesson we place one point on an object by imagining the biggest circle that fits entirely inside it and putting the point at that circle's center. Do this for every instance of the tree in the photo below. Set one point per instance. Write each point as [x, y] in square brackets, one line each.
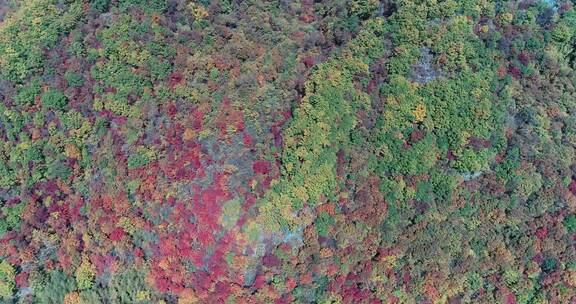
[7, 284]
[54, 99]
[85, 274]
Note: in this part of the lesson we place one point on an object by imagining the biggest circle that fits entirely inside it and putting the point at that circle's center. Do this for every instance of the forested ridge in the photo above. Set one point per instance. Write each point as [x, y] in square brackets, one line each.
[247, 151]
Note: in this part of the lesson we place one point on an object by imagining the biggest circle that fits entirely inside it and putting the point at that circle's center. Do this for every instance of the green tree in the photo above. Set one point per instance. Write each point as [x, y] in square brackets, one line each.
[54, 99]
[85, 275]
[7, 283]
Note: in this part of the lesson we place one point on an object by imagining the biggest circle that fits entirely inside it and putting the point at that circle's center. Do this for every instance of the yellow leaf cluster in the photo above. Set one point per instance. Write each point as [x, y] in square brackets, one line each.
[198, 11]
[419, 113]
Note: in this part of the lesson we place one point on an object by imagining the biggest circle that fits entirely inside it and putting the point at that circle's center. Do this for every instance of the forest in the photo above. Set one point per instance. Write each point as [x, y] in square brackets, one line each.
[291, 151]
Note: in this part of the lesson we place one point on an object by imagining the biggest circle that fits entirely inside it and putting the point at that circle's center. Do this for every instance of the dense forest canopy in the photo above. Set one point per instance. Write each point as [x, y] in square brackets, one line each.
[247, 151]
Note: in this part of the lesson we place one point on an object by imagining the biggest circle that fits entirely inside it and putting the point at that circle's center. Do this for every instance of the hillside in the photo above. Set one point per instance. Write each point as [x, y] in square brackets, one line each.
[247, 151]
